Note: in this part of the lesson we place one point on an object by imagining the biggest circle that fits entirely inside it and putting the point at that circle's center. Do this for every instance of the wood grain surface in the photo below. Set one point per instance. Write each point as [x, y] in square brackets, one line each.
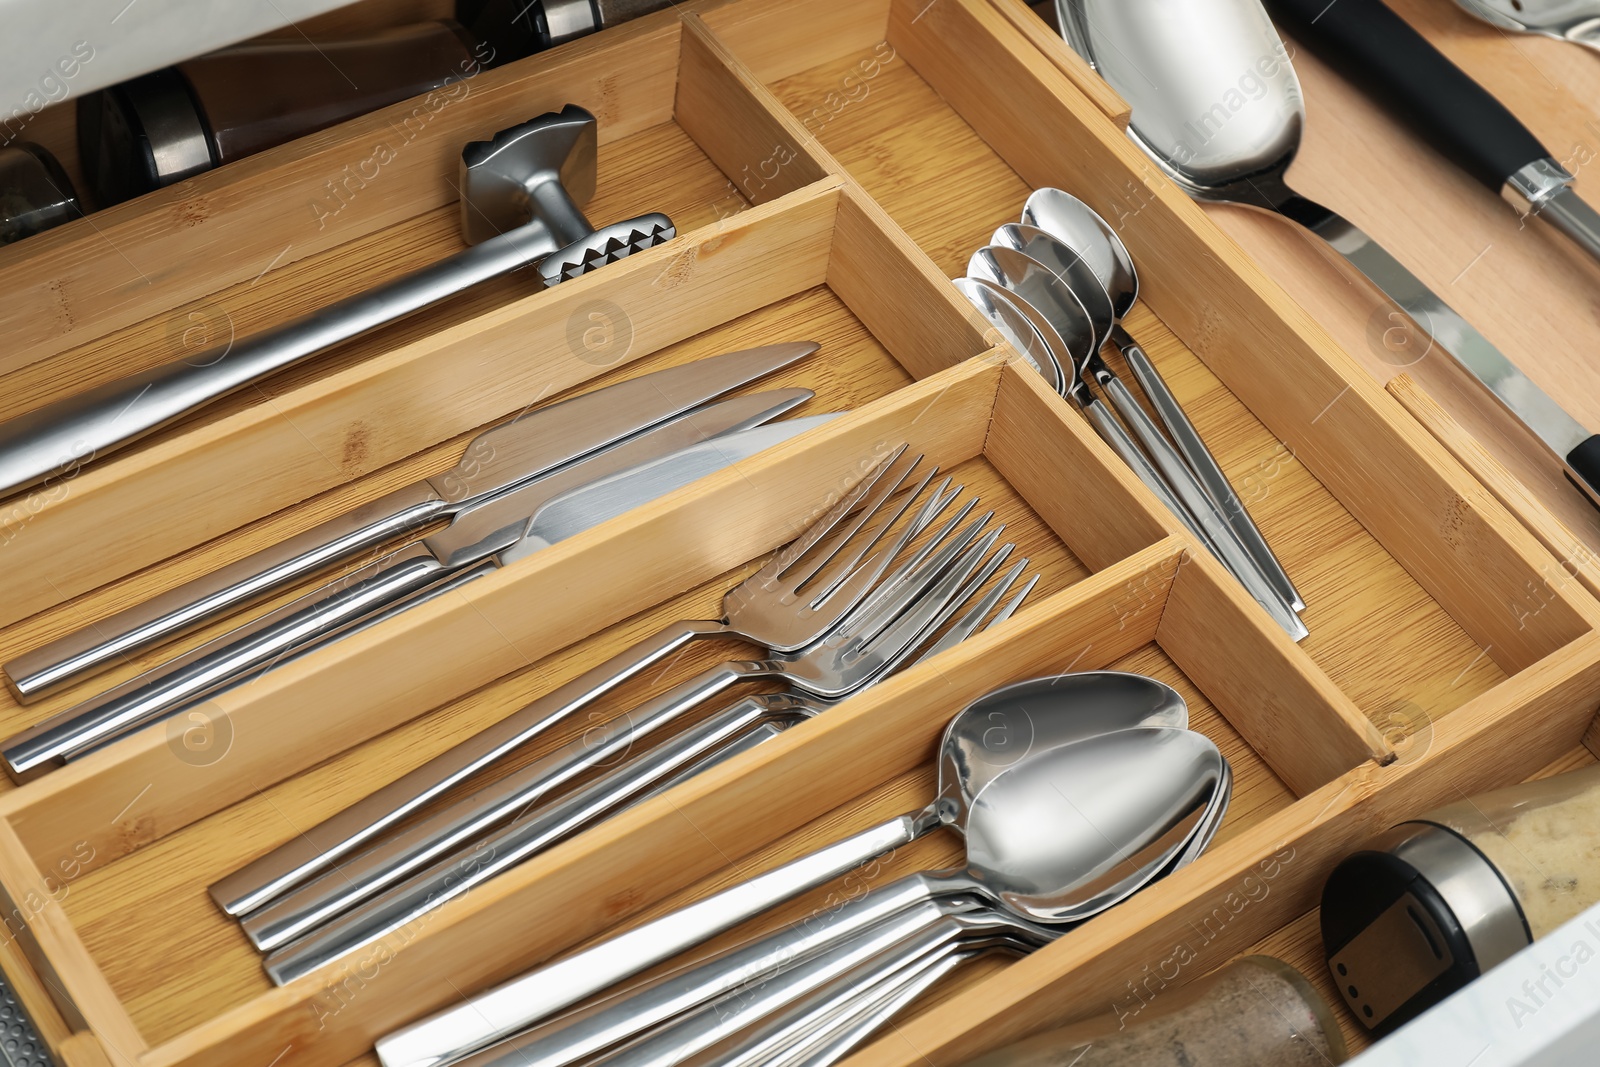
[1397, 698]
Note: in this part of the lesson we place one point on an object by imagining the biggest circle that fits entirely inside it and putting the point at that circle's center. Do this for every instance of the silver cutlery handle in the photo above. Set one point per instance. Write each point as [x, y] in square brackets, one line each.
[420, 845]
[518, 1004]
[1206, 468]
[725, 1018]
[836, 1035]
[191, 605]
[1220, 538]
[61, 436]
[309, 853]
[448, 878]
[87, 725]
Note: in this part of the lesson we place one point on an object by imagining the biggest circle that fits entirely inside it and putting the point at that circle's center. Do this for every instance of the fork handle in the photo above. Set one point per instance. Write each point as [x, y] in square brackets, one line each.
[449, 878]
[541, 993]
[453, 829]
[307, 854]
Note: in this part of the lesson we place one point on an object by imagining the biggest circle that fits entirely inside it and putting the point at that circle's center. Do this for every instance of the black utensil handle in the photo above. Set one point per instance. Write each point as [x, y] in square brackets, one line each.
[1397, 66]
[1583, 468]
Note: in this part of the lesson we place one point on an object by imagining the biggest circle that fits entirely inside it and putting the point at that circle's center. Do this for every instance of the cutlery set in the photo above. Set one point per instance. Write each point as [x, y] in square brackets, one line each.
[552, 472]
[870, 587]
[1058, 285]
[1244, 159]
[1104, 759]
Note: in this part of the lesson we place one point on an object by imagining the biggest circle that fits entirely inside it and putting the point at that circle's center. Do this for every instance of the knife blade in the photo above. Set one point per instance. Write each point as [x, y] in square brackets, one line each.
[482, 534]
[530, 446]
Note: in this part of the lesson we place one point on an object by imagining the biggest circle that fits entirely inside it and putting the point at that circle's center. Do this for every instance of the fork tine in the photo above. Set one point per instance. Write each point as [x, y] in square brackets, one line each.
[906, 629]
[964, 627]
[911, 569]
[969, 623]
[819, 528]
[860, 546]
[851, 578]
[891, 598]
[1014, 603]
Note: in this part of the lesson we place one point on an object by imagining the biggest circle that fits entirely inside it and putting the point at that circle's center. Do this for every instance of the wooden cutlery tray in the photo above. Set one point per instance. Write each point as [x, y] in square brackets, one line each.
[828, 165]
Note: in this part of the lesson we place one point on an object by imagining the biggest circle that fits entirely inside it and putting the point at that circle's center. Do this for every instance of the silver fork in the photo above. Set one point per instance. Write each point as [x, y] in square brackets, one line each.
[862, 648]
[718, 737]
[770, 608]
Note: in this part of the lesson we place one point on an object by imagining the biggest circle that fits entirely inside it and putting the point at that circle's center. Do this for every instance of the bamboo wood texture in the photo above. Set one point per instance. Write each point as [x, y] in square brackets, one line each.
[906, 132]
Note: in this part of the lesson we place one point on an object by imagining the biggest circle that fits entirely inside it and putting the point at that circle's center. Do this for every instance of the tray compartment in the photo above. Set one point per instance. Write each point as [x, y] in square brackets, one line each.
[1429, 593]
[409, 386]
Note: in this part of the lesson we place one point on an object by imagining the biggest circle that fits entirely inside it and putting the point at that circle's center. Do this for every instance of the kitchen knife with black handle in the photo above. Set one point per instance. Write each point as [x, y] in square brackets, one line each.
[1394, 64]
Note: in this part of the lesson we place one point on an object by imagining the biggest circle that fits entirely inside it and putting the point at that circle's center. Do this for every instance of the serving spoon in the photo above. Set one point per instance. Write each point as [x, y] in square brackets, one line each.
[1577, 21]
[1056, 282]
[1082, 229]
[999, 734]
[1241, 156]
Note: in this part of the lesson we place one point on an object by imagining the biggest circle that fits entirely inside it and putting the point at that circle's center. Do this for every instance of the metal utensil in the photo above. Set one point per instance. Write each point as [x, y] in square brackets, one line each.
[447, 833]
[1000, 308]
[827, 1026]
[520, 193]
[858, 652]
[496, 532]
[803, 591]
[433, 842]
[1069, 342]
[1577, 21]
[1081, 228]
[1001, 730]
[530, 446]
[1043, 286]
[1402, 70]
[1242, 159]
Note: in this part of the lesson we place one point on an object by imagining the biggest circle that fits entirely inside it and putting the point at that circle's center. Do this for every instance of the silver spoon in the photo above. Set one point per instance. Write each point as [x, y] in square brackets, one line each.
[1070, 337]
[1056, 281]
[1577, 21]
[828, 1025]
[1201, 49]
[1082, 229]
[991, 737]
[1105, 841]
[998, 306]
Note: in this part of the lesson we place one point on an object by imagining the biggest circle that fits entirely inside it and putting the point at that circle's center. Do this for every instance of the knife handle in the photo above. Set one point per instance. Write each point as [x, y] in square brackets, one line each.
[166, 691]
[1380, 52]
[1583, 469]
[178, 611]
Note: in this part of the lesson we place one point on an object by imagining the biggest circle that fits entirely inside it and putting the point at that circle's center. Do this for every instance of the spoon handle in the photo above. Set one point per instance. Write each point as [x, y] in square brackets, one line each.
[1205, 466]
[1213, 529]
[541, 993]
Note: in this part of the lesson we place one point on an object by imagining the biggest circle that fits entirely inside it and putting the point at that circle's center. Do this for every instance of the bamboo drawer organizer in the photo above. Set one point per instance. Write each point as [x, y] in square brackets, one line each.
[829, 165]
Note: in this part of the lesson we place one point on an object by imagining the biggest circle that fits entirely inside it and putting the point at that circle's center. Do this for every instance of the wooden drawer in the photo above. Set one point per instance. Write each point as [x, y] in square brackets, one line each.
[828, 164]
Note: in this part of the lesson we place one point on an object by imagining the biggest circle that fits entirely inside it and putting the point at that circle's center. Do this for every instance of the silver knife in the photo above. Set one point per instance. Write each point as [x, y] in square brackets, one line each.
[1240, 156]
[484, 537]
[529, 446]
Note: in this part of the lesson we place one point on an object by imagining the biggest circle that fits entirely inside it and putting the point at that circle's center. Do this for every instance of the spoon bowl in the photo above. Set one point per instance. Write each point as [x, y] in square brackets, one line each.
[1577, 21]
[1082, 229]
[1014, 325]
[1070, 269]
[1050, 305]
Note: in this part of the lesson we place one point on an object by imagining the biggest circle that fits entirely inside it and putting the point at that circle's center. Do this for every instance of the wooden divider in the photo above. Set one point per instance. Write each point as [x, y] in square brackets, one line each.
[1199, 918]
[1444, 527]
[137, 259]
